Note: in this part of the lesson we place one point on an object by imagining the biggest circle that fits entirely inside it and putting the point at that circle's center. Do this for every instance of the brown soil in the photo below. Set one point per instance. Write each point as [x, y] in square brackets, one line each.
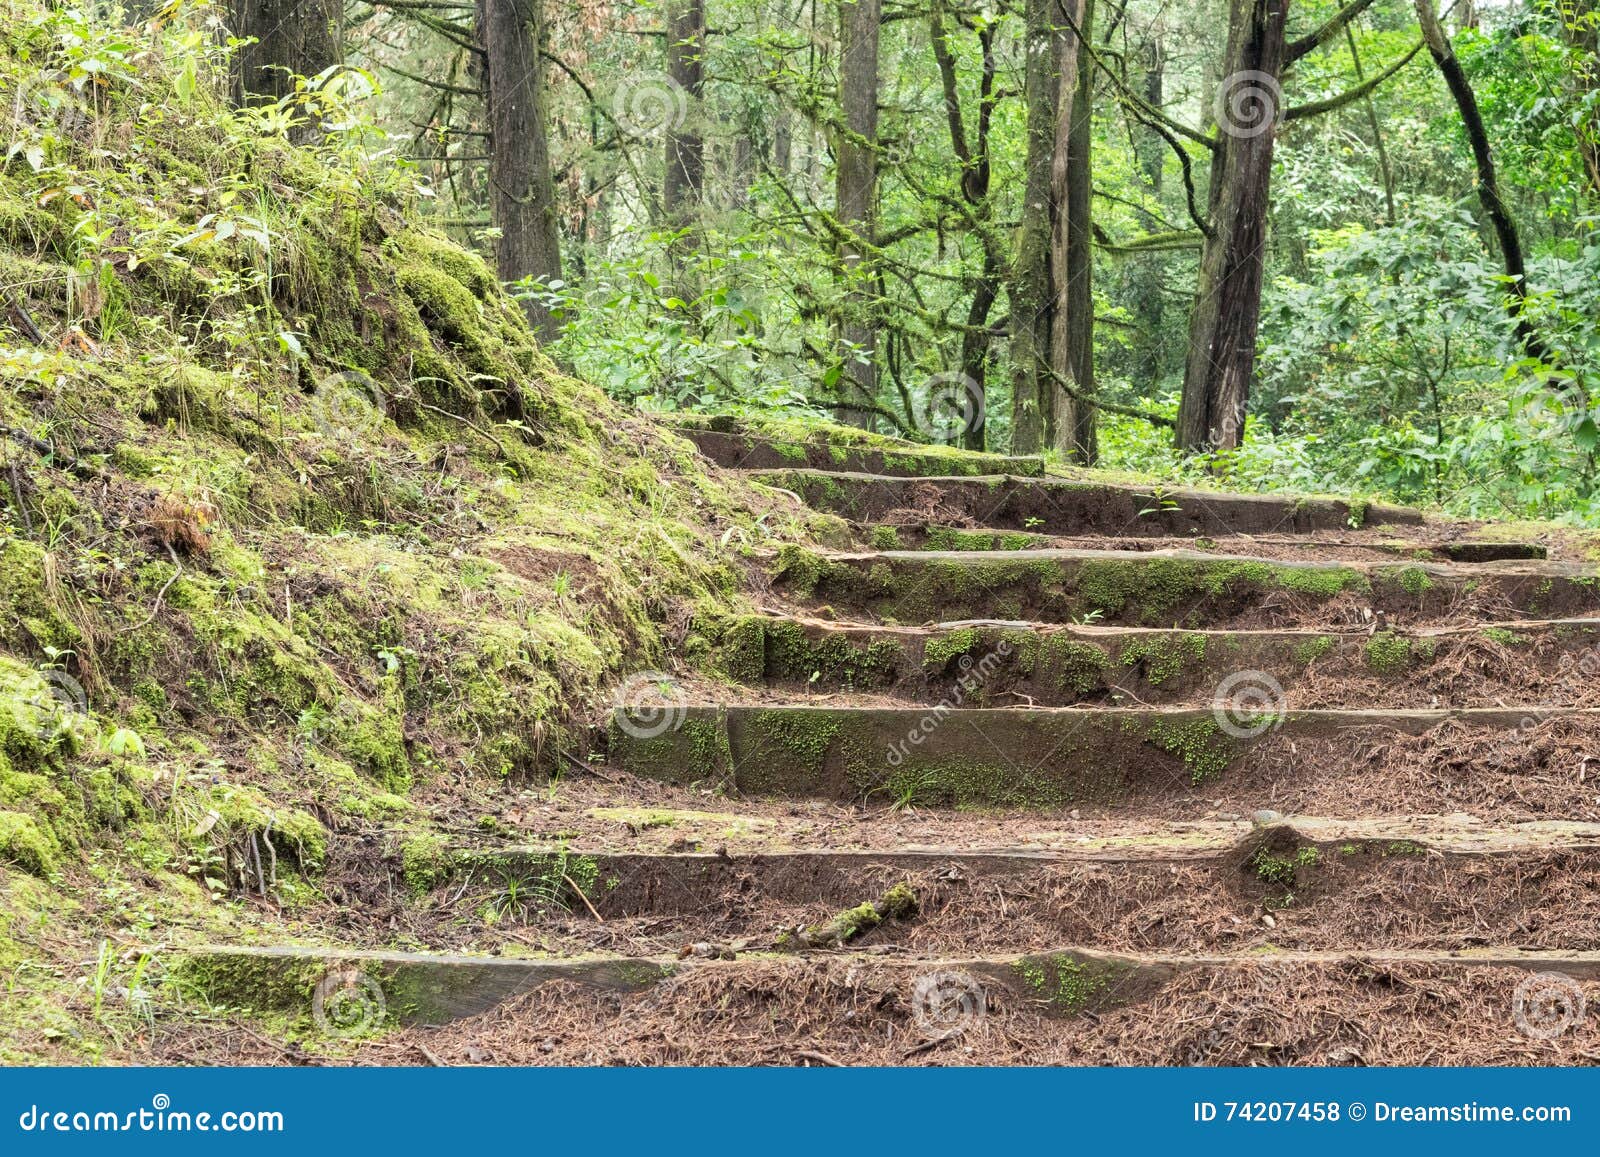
[850, 1013]
[1380, 898]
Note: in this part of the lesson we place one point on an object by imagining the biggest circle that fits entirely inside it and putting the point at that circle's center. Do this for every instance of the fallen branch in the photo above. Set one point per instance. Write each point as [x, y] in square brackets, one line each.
[899, 903]
[819, 1058]
[48, 450]
[573, 884]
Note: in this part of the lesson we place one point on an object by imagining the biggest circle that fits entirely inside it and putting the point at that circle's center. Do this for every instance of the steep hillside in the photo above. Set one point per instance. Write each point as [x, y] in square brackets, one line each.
[303, 543]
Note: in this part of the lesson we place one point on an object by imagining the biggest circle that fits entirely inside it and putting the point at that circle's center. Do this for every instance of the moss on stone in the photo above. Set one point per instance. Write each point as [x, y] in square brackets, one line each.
[1069, 985]
[742, 649]
[1414, 581]
[1198, 742]
[966, 782]
[1164, 656]
[798, 654]
[1313, 649]
[1071, 665]
[940, 650]
[425, 863]
[1387, 653]
[955, 538]
[1154, 591]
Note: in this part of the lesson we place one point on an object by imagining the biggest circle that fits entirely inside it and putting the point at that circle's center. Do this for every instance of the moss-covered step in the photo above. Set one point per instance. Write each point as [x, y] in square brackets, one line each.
[1061, 506]
[397, 987]
[947, 756]
[1065, 982]
[1173, 588]
[1010, 664]
[1326, 883]
[930, 536]
[741, 446]
[746, 452]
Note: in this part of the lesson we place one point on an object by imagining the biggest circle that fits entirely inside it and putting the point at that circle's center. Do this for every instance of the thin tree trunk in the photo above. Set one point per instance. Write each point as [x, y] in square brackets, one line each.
[974, 183]
[742, 170]
[1030, 281]
[683, 188]
[1145, 275]
[1384, 170]
[856, 191]
[782, 142]
[1072, 418]
[1220, 362]
[522, 193]
[1494, 206]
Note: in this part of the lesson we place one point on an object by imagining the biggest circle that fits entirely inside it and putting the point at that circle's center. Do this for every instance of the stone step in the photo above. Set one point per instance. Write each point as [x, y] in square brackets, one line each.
[1023, 664]
[1375, 546]
[379, 987]
[1177, 588]
[374, 988]
[1058, 506]
[739, 449]
[1252, 748]
[1298, 883]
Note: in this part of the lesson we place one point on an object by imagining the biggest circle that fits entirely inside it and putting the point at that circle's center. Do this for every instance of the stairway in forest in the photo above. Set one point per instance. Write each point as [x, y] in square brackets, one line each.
[1048, 769]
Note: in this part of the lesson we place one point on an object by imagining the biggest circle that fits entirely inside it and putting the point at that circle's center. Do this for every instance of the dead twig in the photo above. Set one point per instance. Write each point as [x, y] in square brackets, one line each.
[819, 1058]
[573, 884]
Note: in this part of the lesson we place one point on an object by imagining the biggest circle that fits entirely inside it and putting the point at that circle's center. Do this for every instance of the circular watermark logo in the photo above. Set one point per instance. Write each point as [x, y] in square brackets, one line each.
[899, 151]
[650, 704]
[1547, 1004]
[348, 1002]
[1226, 433]
[1249, 103]
[1249, 703]
[50, 703]
[348, 405]
[650, 104]
[47, 101]
[944, 1004]
[953, 405]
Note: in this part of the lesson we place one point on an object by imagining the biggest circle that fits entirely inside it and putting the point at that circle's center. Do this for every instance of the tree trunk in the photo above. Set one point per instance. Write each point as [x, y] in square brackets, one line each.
[1494, 206]
[686, 165]
[1221, 358]
[976, 171]
[782, 142]
[302, 38]
[1030, 272]
[975, 348]
[1072, 416]
[1150, 344]
[522, 193]
[856, 191]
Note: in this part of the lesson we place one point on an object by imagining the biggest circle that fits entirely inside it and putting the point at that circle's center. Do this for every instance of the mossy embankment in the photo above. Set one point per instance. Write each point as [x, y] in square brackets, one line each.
[304, 542]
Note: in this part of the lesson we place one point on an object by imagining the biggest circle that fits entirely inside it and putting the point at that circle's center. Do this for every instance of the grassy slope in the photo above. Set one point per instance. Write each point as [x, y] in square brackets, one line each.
[294, 619]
